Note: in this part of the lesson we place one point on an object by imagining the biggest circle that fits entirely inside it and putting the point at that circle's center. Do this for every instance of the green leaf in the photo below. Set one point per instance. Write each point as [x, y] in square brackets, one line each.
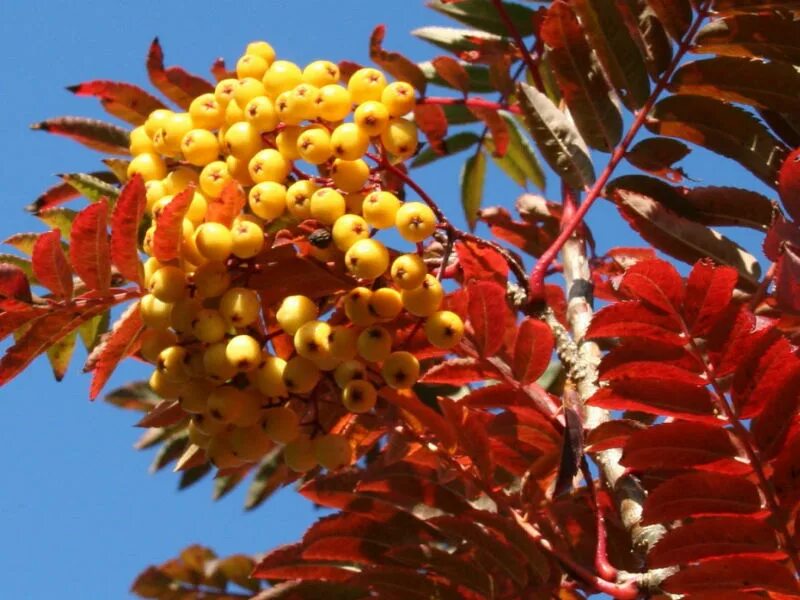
[473, 174]
[483, 15]
[452, 144]
[722, 128]
[558, 140]
[91, 187]
[118, 167]
[614, 46]
[95, 327]
[774, 85]
[751, 36]
[582, 84]
[477, 76]
[225, 484]
[271, 474]
[169, 451]
[459, 114]
[22, 263]
[681, 238]
[520, 162]
[60, 354]
[23, 242]
[59, 218]
[191, 476]
[452, 39]
[92, 133]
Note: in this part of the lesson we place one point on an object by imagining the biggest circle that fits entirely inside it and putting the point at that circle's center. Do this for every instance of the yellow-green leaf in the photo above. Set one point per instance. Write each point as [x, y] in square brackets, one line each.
[473, 174]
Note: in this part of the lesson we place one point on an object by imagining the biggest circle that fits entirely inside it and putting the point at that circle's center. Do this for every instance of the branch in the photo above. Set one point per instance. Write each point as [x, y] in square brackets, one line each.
[568, 228]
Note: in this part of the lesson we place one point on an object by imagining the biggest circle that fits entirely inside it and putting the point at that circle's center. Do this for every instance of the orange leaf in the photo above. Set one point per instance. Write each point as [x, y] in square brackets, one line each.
[89, 249]
[431, 119]
[123, 100]
[449, 69]
[13, 283]
[533, 348]
[50, 264]
[408, 401]
[174, 82]
[230, 203]
[497, 127]
[119, 343]
[487, 310]
[169, 226]
[125, 220]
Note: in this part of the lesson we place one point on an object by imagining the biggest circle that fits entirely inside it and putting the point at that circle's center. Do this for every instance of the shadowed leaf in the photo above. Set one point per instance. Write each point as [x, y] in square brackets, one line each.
[92, 133]
[123, 100]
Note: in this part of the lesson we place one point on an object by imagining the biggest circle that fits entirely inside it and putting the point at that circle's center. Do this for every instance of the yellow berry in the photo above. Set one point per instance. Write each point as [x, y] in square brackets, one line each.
[155, 190]
[299, 455]
[269, 165]
[240, 306]
[198, 208]
[385, 303]
[211, 280]
[248, 88]
[348, 371]
[415, 221]
[400, 138]
[226, 402]
[374, 343]
[250, 412]
[244, 352]
[349, 175]
[238, 167]
[249, 443]
[172, 363]
[298, 104]
[367, 259]
[224, 91]
[444, 329]
[298, 198]
[300, 375]
[372, 117]
[333, 451]
[312, 340]
[251, 65]
[140, 142]
[216, 365]
[262, 49]
[400, 370]
[214, 177]
[424, 300]
[208, 425]
[286, 141]
[314, 145]
[327, 205]
[149, 165]
[343, 342]
[156, 120]
[200, 147]
[153, 341]
[347, 230]
[194, 394]
[260, 113]
[294, 312]
[359, 396]
[268, 376]
[196, 436]
[214, 241]
[334, 102]
[281, 424]
[168, 284]
[398, 98]
[320, 73]
[409, 271]
[234, 113]
[180, 179]
[183, 314]
[164, 387]
[207, 112]
[366, 84]
[209, 326]
[267, 200]
[248, 239]
[155, 313]
[349, 141]
[242, 140]
[380, 209]
[356, 307]
[281, 76]
[175, 127]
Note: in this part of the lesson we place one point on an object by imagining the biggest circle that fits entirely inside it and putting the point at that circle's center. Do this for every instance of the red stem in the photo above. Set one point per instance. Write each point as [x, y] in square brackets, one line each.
[474, 101]
[548, 256]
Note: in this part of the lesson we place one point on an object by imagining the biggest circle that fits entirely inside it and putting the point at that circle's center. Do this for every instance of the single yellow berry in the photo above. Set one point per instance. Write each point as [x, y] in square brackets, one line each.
[320, 73]
[312, 340]
[149, 165]
[349, 370]
[214, 177]
[244, 352]
[240, 306]
[367, 259]
[400, 370]
[444, 329]
[366, 84]
[251, 65]
[298, 198]
[260, 113]
[224, 91]
[299, 455]
[211, 279]
[372, 117]
[238, 167]
[262, 49]
[296, 311]
[356, 307]
[314, 145]
[168, 284]
[281, 424]
[214, 241]
[242, 140]
[269, 165]
[200, 147]
[380, 209]
[207, 112]
[267, 200]
[415, 221]
[374, 343]
[164, 387]
[281, 76]
[155, 313]
[209, 326]
[400, 138]
[248, 88]
[327, 205]
[409, 271]
[172, 363]
[349, 141]
[300, 375]
[140, 142]
[349, 175]
[398, 98]
[334, 103]
[359, 396]
[298, 104]
[216, 365]
[156, 120]
[347, 230]
[424, 300]
[249, 443]
[268, 376]
[248, 239]
[385, 303]
[333, 451]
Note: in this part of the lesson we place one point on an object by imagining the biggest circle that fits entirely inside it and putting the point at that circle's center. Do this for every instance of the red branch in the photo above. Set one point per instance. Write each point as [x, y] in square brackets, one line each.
[527, 57]
[473, 101]
[548, 256]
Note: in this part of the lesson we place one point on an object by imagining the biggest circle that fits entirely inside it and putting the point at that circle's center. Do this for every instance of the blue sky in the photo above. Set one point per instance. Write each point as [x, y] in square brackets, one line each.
[79, 515]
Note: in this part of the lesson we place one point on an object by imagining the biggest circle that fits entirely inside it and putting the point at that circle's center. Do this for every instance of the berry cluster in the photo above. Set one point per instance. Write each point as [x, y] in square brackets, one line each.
[207, 330]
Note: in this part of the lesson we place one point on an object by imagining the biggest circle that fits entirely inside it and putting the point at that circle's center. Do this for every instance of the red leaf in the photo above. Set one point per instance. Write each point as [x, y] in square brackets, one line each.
[789, 184]
[431, 119]
[632, 320]
[297, 275]
[533, 348]
[124, 100]
[487, 310]
[174, 82]
[24, 314]
[531, 238]
[230, 203]
[89, 248]
[769, 373]
[472, 436]
[494, 396]
[92, 133]
[346, 548]
[480, 263]
[220, 71]
[452, 72]
[611, 434]
[787, 280]
[286, 562]
[163, 414]
[14, 284]
[50, 264]
[458, 371]
[45, 332]
[732, 574]
[429, 418]
[658, 397]
[53, 196]
[677, 445]
[497, 127]
[125, 220]
[395, 63]
[119, 343]
[655, 282]
[712, 538]
[700, 494]
[709, 291]
[169, 226]
[643, 371]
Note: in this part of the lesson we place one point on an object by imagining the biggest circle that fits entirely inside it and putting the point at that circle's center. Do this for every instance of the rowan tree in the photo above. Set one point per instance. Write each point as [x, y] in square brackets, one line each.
[502, 411]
